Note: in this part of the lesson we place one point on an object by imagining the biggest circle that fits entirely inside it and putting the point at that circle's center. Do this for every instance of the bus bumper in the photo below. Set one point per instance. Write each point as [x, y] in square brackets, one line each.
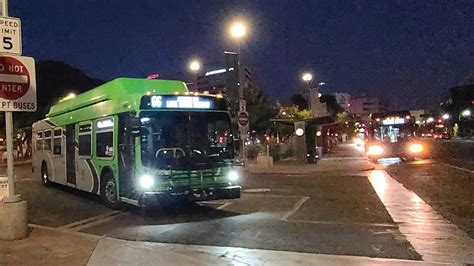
[192, 194]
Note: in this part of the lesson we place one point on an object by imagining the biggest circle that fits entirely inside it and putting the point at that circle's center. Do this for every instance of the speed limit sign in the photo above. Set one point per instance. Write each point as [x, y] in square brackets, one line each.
[10, 35]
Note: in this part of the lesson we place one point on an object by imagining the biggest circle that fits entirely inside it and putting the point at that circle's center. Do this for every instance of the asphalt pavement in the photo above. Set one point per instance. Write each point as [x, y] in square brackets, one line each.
[327, 212]
[327, 208]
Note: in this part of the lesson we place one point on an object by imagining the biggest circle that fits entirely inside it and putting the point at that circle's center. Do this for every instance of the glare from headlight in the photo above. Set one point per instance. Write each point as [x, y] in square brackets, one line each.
[415, 148]
[374, 150]
[146, 181]
[233, 176]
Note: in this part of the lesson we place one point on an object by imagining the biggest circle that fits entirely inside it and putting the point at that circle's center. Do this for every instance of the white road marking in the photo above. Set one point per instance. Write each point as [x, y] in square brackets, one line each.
[295, 208]
[458, 168]
[96, 222]
[347, 223]
[224, 205]
[257, 190]
[90, 219]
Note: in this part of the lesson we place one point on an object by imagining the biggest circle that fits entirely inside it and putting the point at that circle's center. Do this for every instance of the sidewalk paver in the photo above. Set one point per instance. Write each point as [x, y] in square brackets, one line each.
[48, 247]
[121, 252]
[434, 238]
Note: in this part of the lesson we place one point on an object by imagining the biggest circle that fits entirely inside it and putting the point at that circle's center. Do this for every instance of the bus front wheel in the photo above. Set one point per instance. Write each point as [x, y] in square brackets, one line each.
[108, 191]
[45, 175]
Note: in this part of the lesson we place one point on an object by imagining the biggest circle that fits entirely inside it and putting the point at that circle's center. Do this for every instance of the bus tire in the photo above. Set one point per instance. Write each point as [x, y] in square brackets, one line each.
[45, 175]
[108, 190]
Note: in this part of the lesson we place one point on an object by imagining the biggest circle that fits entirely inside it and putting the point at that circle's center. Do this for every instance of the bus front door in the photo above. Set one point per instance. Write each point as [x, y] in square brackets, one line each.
[71, 154]
[126, 158]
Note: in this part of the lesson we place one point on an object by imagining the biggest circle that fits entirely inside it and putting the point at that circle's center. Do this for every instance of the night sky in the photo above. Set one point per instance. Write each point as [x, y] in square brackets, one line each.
[410, 51]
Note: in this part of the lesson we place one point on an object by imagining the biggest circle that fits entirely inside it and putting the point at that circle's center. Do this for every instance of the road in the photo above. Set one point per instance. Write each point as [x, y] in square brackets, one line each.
[336, 212]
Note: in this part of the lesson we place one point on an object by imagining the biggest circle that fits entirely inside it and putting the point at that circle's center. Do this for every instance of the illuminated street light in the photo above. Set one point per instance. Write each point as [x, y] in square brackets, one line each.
[307, 77]
[446, 116]
[466, 113]
[238, 30]
[194, 66]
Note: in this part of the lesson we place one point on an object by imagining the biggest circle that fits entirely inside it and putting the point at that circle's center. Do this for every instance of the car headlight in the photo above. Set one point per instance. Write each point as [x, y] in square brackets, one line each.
[146, 181]
[415, 148]
[374, 150]
[233, 176]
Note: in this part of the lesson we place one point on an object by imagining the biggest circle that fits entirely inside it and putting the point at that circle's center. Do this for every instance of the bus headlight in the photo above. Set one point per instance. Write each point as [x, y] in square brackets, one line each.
[233, 176]
[374, 150]
[415, 148]
[146, 181]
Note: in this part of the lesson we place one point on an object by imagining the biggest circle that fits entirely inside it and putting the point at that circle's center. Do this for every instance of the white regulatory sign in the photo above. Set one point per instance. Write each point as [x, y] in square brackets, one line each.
[10, 35]
[17, 84]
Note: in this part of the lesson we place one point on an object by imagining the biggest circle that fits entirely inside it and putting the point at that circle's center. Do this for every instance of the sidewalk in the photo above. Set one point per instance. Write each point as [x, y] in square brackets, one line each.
[343, 158]
[47, 246]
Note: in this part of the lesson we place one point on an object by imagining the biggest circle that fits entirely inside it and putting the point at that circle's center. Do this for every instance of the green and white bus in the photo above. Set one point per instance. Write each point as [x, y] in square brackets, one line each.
[137, 141]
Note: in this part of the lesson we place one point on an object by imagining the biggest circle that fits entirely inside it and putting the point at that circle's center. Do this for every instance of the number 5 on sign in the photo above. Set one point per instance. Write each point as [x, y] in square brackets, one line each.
[10, 36]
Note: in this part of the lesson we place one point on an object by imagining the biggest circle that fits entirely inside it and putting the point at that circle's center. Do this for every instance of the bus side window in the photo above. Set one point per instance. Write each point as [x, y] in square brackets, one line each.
[105, 137]
[47, 140]
[39, 141]
[57, 142]
[85, 140]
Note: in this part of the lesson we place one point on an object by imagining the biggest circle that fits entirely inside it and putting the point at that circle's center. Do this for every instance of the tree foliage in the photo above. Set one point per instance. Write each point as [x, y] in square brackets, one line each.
[332, 106]
[293, 112]
[299, 101]
[260, 110]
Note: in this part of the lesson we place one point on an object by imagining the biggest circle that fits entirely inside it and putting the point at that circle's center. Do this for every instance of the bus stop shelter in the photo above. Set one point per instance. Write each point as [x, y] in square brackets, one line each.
[314, 136]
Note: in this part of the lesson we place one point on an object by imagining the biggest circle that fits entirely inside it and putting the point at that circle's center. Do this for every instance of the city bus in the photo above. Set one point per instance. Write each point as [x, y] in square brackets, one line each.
[139, 141]
[393, 134]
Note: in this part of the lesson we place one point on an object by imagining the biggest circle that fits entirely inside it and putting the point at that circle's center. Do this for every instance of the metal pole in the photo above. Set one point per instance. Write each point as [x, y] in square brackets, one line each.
[5, 8]
[9, 135]
[241, 97]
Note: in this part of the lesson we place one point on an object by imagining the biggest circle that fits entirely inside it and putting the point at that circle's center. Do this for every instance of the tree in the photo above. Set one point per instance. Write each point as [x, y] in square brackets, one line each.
[299, 101]
[260, 110]
[346, 121]
[332, 106]
[293, 112]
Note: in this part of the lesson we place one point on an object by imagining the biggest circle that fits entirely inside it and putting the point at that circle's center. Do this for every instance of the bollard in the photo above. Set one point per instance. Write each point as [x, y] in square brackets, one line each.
[13, 220]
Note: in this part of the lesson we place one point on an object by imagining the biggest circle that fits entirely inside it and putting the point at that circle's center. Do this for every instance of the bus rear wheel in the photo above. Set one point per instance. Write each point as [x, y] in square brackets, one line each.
[45, 175]
[108, 191]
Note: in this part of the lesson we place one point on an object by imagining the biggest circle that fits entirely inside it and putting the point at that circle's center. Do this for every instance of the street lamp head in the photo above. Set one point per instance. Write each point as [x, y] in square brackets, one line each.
[238, 30]
[446, 116]
[194, 66]
[466, 113]
[307, 77]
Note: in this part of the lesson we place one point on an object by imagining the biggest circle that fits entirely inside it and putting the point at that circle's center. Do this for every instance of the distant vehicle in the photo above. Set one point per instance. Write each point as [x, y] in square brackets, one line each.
[441, 132]
[393, 134]
[138, 140]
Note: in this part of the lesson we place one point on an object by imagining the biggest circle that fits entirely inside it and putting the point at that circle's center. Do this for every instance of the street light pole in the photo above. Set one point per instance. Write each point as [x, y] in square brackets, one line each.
[9, 135]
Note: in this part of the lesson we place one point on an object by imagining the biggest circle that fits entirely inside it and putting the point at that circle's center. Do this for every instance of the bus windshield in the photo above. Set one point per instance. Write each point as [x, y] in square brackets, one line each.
[182, 140]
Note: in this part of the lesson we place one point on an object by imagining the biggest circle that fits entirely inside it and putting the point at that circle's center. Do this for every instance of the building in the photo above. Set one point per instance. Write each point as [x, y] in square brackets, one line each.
[225, 80]
[419, 115]
[364, 105]
[343, 99]
[312, 96]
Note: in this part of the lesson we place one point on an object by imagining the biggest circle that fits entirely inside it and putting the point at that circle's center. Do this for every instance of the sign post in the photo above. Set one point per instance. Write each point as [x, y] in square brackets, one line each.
[17, 93]
[17, 85]
[243, 121]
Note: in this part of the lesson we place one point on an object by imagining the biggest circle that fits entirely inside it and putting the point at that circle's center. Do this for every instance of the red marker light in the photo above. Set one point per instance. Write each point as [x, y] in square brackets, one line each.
[153, 76]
